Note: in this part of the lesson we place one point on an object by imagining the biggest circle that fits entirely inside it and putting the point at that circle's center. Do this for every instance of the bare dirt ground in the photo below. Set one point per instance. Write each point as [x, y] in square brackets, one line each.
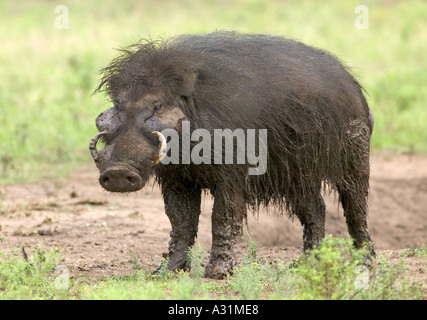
[100, 232]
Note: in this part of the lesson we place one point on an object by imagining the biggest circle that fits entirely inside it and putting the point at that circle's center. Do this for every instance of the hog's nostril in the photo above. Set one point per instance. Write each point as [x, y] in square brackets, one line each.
[131, 180]
[105, 181]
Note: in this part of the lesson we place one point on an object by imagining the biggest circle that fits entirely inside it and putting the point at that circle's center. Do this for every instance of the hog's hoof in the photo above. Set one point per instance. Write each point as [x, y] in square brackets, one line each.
[176, 263]
[216, 272]
[220, 267]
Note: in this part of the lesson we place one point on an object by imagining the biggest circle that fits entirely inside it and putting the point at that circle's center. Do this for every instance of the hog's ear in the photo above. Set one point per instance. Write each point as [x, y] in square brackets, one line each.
[189, 79]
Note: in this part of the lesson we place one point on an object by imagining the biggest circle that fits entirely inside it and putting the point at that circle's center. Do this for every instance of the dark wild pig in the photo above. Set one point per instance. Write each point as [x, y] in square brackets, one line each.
[317, 119]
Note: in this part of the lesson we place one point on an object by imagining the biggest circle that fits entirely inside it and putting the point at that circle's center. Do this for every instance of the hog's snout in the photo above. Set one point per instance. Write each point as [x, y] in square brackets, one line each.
[120, 179]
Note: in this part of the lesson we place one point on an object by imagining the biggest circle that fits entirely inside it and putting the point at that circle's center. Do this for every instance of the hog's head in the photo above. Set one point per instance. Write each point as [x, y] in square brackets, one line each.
[131, 131]
[152, 89]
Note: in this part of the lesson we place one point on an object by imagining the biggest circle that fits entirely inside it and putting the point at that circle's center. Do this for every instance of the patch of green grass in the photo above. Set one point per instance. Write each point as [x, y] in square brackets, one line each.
[126, 288]
[251, 276]
[338, 271]
[390, 282]
[36, 277]
[330, 271]
[415, 252]
[164, 285]
[334, 270]
[47, 116]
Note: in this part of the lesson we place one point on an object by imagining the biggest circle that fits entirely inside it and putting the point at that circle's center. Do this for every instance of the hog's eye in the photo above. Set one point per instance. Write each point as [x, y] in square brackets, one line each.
[158, 107]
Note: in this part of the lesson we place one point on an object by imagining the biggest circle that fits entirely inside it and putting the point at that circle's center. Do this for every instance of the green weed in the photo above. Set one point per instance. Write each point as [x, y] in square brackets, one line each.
[337, 271]
[330, 271]
[33, 277]
[249, 277]
[334, 270]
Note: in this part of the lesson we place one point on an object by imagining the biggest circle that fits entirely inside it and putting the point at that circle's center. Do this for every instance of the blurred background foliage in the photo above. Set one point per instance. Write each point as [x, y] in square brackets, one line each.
[47, 113]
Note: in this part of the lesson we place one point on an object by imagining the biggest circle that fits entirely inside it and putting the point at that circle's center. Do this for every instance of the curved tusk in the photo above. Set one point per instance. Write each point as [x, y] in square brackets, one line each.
[92, 145]
[161, 149]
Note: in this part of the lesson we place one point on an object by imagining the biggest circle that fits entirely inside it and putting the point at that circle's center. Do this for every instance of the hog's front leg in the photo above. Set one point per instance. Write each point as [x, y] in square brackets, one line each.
[182, 205]
[228, 213]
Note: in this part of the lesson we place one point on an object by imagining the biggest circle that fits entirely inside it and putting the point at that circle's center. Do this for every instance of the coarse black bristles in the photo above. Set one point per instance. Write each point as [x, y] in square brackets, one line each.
[315, 113]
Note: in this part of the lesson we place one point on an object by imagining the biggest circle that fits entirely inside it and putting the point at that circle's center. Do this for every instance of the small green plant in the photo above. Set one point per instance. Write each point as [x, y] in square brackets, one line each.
[336, 270]
[163, 272]
[283, 280]
[31, 277]
[252, 248]
[249, 280]
[166, 284]
[189, 284]
[249, 277]
[390, 281]
[196, 257]
[134, 259]
[139, 286]
[415, 252]
[330, 271]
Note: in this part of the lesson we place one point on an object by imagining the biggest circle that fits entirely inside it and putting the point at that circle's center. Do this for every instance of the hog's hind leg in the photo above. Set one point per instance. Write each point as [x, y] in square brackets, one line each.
[355, 212]
[354, 188]
[312, 216]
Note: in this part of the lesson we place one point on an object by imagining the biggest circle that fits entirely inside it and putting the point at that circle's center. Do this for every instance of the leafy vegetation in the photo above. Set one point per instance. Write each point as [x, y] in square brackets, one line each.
[35, 277]
[335, 270]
